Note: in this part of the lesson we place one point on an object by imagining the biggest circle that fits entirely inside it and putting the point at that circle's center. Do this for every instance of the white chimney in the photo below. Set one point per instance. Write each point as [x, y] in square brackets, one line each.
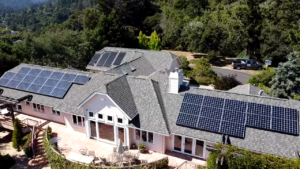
[175, 80]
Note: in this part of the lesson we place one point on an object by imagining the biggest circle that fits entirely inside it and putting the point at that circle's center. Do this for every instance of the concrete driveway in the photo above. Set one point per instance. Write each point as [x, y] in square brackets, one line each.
[241, 76]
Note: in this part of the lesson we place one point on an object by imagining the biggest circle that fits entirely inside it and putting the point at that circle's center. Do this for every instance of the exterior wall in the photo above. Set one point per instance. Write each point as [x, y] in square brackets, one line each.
[70, 126]
[46, 115]
[175, 64]
[157, 145]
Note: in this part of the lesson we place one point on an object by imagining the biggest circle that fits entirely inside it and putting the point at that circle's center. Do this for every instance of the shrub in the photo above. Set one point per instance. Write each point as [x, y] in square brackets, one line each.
[27, 145]
[203, 68]
[226, 82]
[185, 66]
[213, 55]
[17, 135]
[264, 78]
[243, 55]
[203, 80]
[49, 133]
[6, 161]
[142, 146]
[265, 89]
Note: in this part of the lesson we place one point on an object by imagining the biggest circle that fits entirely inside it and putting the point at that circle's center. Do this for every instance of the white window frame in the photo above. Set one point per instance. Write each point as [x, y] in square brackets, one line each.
[77, 117]
[103, 117]
[90, 116]
[110, 121]
[121, 119]
[18, 107]
[141, 139]
[54, 113]
[38, 109]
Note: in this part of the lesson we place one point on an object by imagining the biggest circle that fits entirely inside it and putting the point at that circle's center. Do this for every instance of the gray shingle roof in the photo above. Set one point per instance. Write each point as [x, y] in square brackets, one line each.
[119, 91]
[157, 59]
[257, 140]
[247, 89]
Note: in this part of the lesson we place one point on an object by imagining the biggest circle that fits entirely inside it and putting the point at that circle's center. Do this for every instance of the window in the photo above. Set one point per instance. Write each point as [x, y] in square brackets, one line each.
[78, 120]
[120, 120]
[19, 107]
[137, 134]
[38, 108]
[100, 116]
[57, 113]
[109, 118]
[144, 136]
[91, 114]
[27, 103]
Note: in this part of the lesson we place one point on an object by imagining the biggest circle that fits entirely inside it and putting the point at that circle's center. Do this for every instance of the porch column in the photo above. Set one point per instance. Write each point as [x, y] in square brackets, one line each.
[127, 136]
[87, 128]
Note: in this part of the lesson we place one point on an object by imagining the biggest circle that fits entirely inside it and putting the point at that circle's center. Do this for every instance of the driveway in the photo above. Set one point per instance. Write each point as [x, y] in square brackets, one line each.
[242, 77]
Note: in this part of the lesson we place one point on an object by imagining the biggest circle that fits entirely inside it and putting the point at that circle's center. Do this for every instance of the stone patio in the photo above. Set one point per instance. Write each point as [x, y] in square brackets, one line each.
[72, 141]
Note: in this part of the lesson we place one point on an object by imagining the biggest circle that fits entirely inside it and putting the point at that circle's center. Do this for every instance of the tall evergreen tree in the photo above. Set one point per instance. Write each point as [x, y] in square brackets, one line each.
[143, 41]
[286, 84]
[17, 135]
[155, 43]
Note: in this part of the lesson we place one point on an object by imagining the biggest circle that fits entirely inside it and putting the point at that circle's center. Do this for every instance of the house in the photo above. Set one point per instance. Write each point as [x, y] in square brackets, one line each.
[140, 100]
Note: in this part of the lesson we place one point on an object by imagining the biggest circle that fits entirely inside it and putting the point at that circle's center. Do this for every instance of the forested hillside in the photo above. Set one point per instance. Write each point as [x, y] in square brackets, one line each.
[67, 32]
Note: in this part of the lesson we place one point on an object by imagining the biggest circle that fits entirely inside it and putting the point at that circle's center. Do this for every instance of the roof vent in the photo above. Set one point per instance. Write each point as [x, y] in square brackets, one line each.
[132, 68]
[260, 92]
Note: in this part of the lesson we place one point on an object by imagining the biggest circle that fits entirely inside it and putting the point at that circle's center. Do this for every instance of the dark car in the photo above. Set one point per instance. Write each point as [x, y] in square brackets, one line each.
[246, 64]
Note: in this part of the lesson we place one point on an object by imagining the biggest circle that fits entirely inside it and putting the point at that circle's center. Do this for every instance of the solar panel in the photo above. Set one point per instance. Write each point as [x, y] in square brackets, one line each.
[46, 90]
[235, 105]
[278, 112]
[57, 75]
[3, 82]
[232, 129]
[213, 113]
[45, 73]
[23, 86]
[39, 80]
[8, 75]
[68, 77]
[111, 58]
[34, 88]
[260, 109]
[234, 116]
[13, 83]
[259, 121]
[58, 92]
[18, 77]
[103, 59]
[187, 120]
[34, 72]
[291, 114]
[119, 58]
[81, 79]
[64, 85]
[190, 108]
[213, 102]
[209, 124]
[24, 70]
[95, 59]
[51, 82]
[193, 98]
[29, 78]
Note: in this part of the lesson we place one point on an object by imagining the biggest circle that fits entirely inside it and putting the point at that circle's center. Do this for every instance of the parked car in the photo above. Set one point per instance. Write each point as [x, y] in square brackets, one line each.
[246, 64]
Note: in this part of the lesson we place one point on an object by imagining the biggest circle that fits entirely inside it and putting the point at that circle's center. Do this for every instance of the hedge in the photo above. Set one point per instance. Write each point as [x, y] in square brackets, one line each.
[58, 161]
[235, 158]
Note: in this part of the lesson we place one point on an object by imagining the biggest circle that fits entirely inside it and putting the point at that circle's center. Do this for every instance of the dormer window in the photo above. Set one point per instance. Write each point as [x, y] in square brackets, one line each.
[91, 114]
[110, 118]
[120, 120]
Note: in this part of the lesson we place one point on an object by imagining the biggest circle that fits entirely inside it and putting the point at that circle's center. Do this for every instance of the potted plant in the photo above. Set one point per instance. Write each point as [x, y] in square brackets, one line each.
[142, 148]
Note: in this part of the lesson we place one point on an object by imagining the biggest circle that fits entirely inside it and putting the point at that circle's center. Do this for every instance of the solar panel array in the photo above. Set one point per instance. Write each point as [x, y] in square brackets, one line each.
[231, 117]
[106, 59]
[42, 81]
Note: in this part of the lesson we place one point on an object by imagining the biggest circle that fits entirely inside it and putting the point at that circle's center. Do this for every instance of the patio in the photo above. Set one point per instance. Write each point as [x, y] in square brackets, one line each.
[72, 142]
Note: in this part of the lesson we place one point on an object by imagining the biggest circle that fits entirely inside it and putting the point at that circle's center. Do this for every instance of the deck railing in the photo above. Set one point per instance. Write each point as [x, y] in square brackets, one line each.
[34, 132]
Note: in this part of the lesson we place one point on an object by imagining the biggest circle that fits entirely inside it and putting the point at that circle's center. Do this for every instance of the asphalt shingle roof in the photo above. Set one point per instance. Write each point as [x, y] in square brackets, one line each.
[247, 89]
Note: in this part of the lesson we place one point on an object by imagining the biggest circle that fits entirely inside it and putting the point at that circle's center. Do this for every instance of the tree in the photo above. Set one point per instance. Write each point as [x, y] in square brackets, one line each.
[203, 73]
[264, 77]
[143, 41]
[90, 18]
[185, 66]
[17, 135]
[155, 43]
[286, 82]
[226, 82]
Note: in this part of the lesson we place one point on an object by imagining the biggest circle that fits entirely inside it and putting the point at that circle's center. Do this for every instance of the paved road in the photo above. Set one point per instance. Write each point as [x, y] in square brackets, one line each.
[242, 77]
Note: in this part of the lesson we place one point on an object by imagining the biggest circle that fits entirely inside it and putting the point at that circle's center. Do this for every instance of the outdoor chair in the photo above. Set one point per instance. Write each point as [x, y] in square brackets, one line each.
[83, 151]
[91, 153]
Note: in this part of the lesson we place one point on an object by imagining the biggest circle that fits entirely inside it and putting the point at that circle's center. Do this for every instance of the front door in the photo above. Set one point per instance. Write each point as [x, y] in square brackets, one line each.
[189, 146]
[121, 134]
[93, 129]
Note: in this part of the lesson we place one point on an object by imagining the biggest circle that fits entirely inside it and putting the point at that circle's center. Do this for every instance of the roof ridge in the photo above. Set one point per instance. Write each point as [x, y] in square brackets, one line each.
[162, 108]
[272, 98]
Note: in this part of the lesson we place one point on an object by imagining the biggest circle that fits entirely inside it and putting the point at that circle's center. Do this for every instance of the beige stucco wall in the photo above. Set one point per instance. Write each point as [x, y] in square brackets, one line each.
[157, 146]
[47, 115]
